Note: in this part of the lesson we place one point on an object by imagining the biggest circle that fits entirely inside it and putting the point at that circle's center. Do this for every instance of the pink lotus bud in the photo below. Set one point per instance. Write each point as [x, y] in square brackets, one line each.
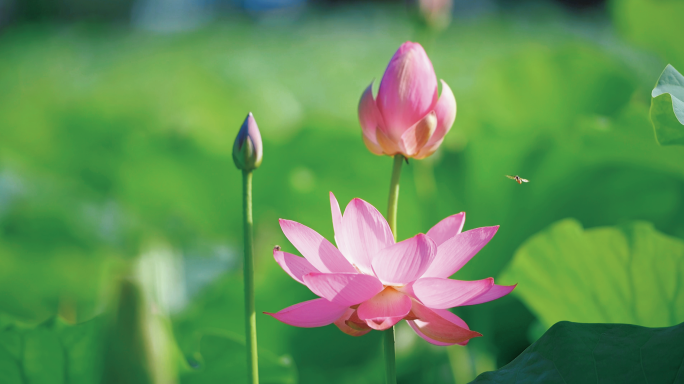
[407, 117]
[248, 149]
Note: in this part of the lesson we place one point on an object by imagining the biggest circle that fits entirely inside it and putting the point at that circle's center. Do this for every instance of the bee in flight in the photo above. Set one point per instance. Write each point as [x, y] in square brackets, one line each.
[277, 248]
[517, 178]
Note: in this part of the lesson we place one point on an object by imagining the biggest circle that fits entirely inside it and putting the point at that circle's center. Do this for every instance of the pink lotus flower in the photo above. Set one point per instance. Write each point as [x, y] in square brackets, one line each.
[371, 282]
[407, 117]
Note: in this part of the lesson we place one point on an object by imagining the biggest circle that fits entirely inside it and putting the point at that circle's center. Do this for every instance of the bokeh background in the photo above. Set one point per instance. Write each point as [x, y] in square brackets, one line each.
[117, 121]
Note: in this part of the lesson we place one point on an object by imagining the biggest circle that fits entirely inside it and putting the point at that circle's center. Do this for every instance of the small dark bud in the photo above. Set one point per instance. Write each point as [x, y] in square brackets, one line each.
[248, 148]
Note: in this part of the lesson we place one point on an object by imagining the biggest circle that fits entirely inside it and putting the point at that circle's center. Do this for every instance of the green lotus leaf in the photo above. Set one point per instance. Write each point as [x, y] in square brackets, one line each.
[597, 353]
[631, 274]
[667, 107]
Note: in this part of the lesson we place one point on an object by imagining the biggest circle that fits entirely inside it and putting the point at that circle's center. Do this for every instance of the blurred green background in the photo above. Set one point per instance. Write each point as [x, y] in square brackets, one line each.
[116, 135]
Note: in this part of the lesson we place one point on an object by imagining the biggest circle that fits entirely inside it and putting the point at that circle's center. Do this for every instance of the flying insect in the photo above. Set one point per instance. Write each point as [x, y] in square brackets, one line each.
[518, 179]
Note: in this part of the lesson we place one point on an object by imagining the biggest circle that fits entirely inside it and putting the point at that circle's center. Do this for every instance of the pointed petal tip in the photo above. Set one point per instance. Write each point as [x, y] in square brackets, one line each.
[369, 88]
[361, 203]
[491, 230]
[410, 45]
[383, 324]
[441, 293]
[495, 292]
[284, 223]
[309, 314]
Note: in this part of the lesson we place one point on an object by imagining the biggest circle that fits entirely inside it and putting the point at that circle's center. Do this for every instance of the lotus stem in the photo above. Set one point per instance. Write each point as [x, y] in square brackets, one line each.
[394, 194]
[390, 370]
[250, 316]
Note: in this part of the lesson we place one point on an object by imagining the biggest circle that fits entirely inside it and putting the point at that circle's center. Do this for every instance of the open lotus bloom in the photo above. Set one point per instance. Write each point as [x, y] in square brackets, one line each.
[407, 117]
[370, 282]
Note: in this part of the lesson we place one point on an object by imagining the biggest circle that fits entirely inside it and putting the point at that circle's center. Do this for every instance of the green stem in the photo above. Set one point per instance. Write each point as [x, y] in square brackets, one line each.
[390, 370]
[250, 315]
[394, 194]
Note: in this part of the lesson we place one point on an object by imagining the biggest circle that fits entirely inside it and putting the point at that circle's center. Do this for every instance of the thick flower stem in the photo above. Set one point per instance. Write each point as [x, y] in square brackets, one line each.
[250, 316]
[390, 371]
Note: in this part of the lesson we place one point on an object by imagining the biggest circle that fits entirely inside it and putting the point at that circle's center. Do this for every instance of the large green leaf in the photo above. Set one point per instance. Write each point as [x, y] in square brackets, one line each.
[598, 353]
[51, 353]
[222, 359]
[667, 107]
[631, 274]
[55, 352]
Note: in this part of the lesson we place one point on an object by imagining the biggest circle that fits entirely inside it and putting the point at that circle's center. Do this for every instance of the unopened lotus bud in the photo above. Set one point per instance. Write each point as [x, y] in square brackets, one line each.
[248, 149]
[407, 117]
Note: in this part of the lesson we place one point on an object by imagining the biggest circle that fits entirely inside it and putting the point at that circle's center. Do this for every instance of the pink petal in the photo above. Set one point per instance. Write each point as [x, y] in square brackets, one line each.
[447, 228]
[369, 117]
[447, 315]
[389, 146]
[439, 326]
[415, 328]
[364, 233]
[436, 292]
[343, 288]
[408, 90]
[336, 216]
[309, 314]
[497, 291]
[295, 266]
[405, 261]
[343, 323]
[320, 253]
[385, 309]
[446, 114]
[415, 138]
[458, 250]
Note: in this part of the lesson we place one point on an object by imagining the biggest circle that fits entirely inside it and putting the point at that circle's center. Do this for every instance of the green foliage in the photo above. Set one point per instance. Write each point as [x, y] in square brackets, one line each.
[654, 25]
[113, 138]
[592, 353]
[53, 352]
[630, 274]
[667, 107]
[222, 358]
